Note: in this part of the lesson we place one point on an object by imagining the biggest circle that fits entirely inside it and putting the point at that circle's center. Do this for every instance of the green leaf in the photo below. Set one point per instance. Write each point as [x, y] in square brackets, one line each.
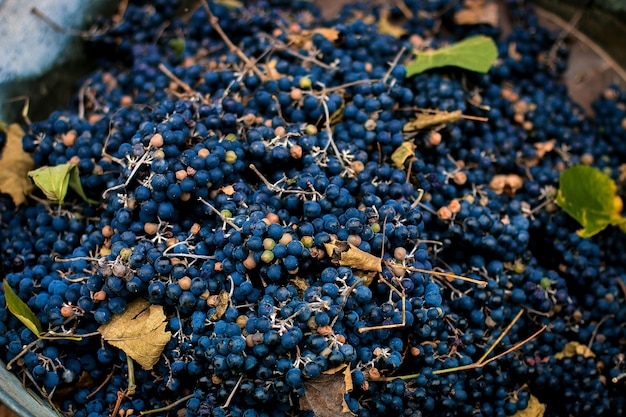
[178, 46]
[76, 185]
[21, 310]
[476, 53]
[590, 197]
[55, 180]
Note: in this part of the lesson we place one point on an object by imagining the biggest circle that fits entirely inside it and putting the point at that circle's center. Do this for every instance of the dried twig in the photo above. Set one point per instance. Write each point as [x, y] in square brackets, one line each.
[233, 48]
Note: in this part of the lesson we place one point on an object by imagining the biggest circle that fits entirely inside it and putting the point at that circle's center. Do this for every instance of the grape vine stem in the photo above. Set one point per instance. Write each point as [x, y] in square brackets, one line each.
[233, 48]
[167, 407]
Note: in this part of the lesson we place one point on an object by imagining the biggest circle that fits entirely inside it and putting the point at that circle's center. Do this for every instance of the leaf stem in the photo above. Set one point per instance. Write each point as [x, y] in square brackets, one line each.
[131, 376]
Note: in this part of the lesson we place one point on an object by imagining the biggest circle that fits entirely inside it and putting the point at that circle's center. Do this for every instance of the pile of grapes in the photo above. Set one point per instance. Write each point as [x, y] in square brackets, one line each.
[255, 173]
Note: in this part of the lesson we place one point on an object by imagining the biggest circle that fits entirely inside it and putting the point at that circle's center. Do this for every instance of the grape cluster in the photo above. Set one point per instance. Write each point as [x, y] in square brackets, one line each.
[238, 155]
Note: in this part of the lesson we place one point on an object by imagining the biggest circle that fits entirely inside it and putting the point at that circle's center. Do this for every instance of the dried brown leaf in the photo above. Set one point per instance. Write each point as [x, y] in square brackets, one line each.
[300, 284]
[426, 120]
[346, 254]
[14, 166]
[139, 332]
[574, 348]
[324, 394]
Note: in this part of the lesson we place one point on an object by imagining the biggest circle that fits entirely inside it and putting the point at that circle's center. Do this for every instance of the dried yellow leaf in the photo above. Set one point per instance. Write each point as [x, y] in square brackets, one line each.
[385, 27]
[331, 34]
[545, 147]
[14, 166]
[486, 13]
[222, 305]
[573, 349]
[228, 189]
[426, 120]
[508, 184]
[270, 70]
[346, 254]
[139, 332]
[534, 409]
[402, 153]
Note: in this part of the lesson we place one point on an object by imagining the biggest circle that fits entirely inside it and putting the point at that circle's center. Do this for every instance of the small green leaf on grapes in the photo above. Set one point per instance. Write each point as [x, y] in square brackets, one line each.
[402, 153]
[139, 332]
[55, 180]
[476, 53]
[21, 310]
[534, 409]
[178, 46]
[590, 197]
[574, 348]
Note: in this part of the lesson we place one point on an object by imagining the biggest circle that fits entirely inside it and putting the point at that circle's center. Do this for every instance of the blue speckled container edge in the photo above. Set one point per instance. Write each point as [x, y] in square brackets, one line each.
[20, 401]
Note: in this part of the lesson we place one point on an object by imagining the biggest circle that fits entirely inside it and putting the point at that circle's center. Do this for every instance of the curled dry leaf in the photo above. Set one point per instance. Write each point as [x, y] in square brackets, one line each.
[300, 284]
[228, 190]
[426, 120]
[300, 39]
[14, 166]
[271, 73]
[534, 409]
[542, 149]
[508, 184]
[346, 254]
[512, 51]
[574, 348]
[386, 27]
[402, 153]
[139, 332]
[478, 12]
[222, 305]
